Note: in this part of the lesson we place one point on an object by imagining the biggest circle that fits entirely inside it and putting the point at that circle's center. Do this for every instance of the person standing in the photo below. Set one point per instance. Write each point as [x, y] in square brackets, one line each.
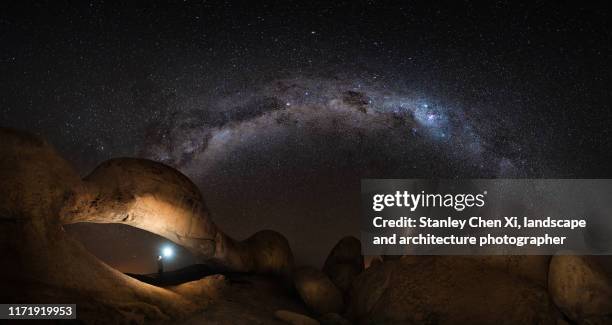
[160, 266]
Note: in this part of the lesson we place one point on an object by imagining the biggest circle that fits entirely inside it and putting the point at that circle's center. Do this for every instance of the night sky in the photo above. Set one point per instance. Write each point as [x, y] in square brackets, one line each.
[277, 110]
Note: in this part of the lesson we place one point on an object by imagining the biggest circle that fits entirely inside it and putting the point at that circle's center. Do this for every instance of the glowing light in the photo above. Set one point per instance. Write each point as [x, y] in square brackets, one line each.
[167, 251]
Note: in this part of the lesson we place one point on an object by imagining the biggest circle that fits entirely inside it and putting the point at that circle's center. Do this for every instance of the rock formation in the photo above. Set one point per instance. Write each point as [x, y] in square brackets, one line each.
[581, 289]
[40, 191]
[333, 319]
[344, 262]
[446, 290]
[295, 318]
[157, 198]
[317, 291]
[47, 266]
[532, 268]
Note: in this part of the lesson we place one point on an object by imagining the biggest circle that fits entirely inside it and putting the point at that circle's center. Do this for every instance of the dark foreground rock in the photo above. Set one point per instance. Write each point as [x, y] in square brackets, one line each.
[317, 291]
[344, 262]
[446, 290]
[581, 289]
[532, 268]
[333, 319]
[243, 299]
[295, 318]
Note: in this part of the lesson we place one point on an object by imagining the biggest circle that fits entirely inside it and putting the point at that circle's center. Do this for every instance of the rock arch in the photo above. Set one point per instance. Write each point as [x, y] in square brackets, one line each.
[146, 195]
[159, 199]
[40, 191]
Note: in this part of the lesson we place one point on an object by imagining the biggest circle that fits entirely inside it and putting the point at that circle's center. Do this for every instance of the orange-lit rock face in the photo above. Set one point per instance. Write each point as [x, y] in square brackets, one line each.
[159, 199]
[39, 192]
[136, 192]
[146, 195]
[47, 266]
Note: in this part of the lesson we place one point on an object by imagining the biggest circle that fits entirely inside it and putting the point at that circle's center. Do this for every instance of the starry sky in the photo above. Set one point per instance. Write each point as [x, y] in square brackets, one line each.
[276, 110]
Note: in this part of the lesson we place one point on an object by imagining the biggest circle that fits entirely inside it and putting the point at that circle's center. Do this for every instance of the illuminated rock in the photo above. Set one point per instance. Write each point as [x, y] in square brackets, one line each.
[47, 266]
[40, 191]
[157, 198]
[147, 195]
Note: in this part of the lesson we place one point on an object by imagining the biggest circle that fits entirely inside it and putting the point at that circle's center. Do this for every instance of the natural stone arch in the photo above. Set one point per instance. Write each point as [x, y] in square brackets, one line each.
[40, 191]
[159, 199]
[136, 192]
[46, 265]
[146, 195]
